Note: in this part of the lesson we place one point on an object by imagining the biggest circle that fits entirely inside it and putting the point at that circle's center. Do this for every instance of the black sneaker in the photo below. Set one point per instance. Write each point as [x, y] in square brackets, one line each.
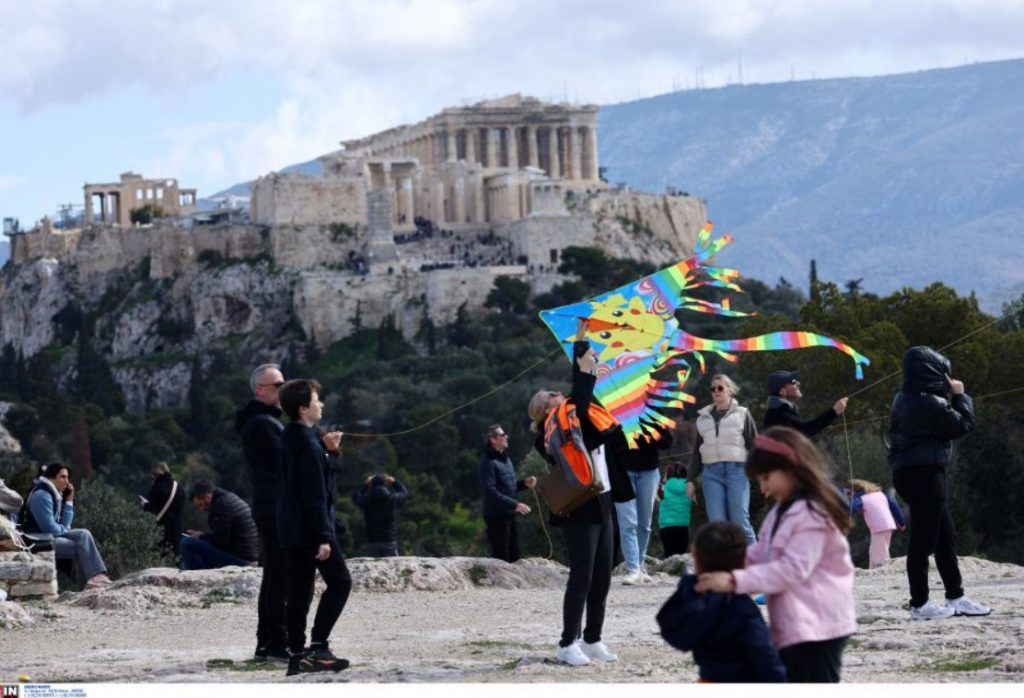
[314, 659]
[271, 653]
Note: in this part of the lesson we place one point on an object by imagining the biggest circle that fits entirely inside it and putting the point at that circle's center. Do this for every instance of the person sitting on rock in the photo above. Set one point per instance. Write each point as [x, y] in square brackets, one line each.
[232, 538]
[50, 508]
[379, 497]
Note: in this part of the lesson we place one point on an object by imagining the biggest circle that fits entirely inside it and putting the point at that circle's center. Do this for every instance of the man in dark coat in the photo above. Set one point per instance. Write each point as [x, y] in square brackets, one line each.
[929, 412]
[783, 394]
[308, 529]
[499, 483]
[232, 538]
[379, 497]
[166, 501]
[259, 426]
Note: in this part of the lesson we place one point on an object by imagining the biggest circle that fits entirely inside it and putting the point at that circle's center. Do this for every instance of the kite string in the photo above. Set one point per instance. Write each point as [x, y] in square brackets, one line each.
[510, 381]
[543, 527]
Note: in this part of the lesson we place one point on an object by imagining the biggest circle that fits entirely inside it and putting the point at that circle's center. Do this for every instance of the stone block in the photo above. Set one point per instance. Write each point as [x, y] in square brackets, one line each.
[16, 571]
[23, 589]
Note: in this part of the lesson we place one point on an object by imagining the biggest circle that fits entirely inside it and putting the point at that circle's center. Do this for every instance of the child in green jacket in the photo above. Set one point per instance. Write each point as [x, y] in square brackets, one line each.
[674, 514]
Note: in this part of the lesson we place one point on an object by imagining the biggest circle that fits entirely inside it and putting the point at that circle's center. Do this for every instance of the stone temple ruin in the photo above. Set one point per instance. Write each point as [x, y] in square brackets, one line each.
[412, 223]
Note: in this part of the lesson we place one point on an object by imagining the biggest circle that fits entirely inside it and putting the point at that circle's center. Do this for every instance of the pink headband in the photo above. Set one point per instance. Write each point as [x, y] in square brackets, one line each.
[776, 447]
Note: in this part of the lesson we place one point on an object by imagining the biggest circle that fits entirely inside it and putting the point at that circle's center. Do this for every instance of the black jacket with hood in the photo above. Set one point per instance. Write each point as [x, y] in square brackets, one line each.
[925, 417]
[783, 413]
[726, 633]
[378, 502]
[305, 500]
[231, 525]
[259, 426]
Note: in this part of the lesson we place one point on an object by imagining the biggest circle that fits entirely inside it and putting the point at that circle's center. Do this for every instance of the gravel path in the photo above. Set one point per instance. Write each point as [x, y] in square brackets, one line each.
[502, 635]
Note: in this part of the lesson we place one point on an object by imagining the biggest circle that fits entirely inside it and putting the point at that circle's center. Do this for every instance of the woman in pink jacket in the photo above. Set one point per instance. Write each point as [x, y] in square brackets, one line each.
[801, 560]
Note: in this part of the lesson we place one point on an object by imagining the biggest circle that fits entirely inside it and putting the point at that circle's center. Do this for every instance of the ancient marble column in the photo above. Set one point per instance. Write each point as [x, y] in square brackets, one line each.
[492, 149]
[575, 146]
[460, 200]
[554, 164]
[531, 146]
[450, 144]
[408, 207]
[512, 146]
[590, 149]
[472, 134]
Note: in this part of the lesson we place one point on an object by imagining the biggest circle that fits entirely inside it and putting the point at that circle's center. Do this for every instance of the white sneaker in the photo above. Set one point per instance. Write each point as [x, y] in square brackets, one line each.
[633, 578]
[646, 577]
[965, 607]
[931, 610]
[598, 652]
[572, 655]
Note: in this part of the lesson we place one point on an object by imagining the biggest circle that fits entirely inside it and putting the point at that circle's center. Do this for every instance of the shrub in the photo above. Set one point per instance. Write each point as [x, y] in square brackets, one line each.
[128, 537]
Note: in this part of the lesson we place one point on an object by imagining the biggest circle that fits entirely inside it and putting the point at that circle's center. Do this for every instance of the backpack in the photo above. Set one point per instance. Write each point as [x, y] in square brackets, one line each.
[571, 480]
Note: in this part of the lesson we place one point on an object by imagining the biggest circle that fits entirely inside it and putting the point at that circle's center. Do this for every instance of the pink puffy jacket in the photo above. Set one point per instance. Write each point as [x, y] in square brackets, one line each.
[806, 573]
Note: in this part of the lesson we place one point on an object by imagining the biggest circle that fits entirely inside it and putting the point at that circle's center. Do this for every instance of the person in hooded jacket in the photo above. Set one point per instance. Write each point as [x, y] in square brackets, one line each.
[725, 631]
[928, 414]
[166, 501]
[379, 497]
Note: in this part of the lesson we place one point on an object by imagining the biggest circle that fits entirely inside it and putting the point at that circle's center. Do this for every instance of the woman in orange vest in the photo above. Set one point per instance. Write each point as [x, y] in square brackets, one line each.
[589, 530]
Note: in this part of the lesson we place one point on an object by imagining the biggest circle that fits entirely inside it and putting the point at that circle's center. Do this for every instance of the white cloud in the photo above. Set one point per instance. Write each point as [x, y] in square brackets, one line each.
[9, 181]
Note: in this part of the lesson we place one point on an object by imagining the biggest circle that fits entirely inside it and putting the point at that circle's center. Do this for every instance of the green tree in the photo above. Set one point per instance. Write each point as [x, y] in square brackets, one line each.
[509, 295]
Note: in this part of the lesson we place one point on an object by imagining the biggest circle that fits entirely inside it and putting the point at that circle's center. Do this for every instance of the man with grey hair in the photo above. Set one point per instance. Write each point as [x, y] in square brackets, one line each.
[259, 426]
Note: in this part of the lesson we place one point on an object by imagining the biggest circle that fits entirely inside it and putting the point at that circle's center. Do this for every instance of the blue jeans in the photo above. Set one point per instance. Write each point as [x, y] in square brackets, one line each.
[79, 545]
[727, 495]
[635, 517]
[198, 554]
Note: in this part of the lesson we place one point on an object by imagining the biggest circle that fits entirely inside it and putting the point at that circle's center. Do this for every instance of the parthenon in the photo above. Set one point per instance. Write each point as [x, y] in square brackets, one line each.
[496, 161]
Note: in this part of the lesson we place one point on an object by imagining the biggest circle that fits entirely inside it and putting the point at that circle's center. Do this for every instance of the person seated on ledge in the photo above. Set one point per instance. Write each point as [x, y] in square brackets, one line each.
[50, 508]
[232, 538]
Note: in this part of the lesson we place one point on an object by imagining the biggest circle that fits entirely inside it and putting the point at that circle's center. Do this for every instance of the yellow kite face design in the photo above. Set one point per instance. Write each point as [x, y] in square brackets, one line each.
[622, 326]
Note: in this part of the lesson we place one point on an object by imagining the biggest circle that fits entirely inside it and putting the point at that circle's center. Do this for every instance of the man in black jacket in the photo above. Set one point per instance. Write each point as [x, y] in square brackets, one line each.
[498, 480]
[379, 497]
[232, 538]
[259, 426]
[929, 412]
[783, 394]
[309, 530]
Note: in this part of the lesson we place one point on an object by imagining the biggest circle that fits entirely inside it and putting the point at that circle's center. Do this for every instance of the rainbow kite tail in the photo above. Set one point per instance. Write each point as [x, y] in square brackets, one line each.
[778, 341]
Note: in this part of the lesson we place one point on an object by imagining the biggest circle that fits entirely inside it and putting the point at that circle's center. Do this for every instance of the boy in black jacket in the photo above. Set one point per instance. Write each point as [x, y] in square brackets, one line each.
[725, 632]
[308, 529]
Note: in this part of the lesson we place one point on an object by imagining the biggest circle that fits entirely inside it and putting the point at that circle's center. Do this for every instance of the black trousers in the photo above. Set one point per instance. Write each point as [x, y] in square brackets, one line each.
[931, 531]
[814, 662]
[303, 565]
[675, 540]
[273, 601]
[503, 536]
[591, 549]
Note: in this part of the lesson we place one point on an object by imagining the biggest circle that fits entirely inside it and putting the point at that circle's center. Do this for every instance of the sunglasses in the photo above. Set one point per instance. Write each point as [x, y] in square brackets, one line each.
[717, 388]
[277, 384]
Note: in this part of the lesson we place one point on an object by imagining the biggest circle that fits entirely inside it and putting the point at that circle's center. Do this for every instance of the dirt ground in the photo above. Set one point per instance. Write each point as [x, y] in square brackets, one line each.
[502, 635]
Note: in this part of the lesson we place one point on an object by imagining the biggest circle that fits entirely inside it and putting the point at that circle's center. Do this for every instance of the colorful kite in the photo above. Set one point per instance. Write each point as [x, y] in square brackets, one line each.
[636, 335]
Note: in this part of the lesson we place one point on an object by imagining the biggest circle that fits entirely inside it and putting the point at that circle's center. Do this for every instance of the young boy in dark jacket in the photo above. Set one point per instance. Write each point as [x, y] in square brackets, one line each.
[307, 529]
[725, 632]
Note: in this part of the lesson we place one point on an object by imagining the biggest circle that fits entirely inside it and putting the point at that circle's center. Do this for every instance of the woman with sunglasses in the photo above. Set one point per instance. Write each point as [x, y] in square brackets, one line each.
[725, 432]
[589, 530]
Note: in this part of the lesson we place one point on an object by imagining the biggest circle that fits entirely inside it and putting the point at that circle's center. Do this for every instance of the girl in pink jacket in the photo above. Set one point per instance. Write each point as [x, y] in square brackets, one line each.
[801, 560]
[881, 514]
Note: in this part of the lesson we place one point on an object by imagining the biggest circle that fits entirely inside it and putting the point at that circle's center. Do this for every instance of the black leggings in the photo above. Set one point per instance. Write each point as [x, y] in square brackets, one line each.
[675, 540]
[814, 662]
[590, 547]
[302, 568]
[503, 536]
[931, 531]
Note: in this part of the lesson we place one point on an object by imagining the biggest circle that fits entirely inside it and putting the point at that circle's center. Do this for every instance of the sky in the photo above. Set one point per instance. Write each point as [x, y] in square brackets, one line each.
[215, 93]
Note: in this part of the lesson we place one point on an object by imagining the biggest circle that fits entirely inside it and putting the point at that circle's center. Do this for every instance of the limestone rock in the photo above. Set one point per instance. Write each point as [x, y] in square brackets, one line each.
[13, 615]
